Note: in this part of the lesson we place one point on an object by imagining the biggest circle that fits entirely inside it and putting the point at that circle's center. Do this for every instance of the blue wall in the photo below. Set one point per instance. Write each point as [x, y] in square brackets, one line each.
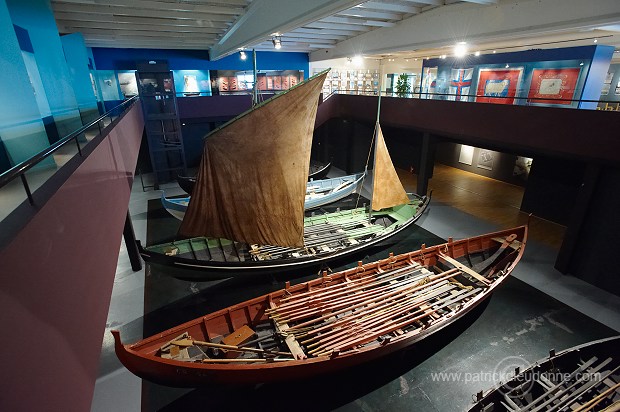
[593, 60]
[125, 59]
[77, 61]
[37, 18]
[21, 129]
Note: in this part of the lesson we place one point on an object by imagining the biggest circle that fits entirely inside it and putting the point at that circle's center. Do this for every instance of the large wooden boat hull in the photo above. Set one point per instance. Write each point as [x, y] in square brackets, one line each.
[187, 266]
[591, 374]
[318, 193]
[440, 303]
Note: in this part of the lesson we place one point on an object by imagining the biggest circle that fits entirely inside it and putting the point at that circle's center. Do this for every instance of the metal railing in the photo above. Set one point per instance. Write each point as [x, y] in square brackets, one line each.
[468, 98]
[19, 170]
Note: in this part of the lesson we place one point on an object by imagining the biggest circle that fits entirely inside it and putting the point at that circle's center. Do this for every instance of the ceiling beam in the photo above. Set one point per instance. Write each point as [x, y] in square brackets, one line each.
[295, 33]
[71, 26]
[360, 12]
[264, 17]
[325, 31]
[336, 26]
[351, 20]
[154, 5]
[136, 12]
[115, 33]
[139, 20]
[443, 26]
[400, 8]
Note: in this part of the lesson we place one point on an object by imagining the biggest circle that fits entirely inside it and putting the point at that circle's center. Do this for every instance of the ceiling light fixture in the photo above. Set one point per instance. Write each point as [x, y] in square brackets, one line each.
[477, 53]
[507, 66]
[357, 59]
[443, 56]
[460, 50]
[595, 40]
[277, 42]
[494, 51]
[242, 55]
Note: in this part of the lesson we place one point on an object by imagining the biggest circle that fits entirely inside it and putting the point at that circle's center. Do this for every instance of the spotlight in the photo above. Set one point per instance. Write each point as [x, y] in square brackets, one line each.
[494, 51]
[507, 66]
[595, 40]
[242, 55]
[277, 42]
[477, 53]
[460, 50]
[443, 56]
[357, 59]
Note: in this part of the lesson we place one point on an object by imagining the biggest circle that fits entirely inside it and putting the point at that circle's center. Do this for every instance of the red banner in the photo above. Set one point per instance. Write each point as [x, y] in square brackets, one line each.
[549, 85]
[498, 85]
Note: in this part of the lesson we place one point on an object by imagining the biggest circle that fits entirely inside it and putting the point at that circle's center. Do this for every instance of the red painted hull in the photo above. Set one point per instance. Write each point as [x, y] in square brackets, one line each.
[140, 357]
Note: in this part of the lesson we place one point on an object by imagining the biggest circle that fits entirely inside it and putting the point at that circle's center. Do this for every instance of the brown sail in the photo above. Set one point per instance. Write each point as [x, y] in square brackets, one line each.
[251, 183]
[387, 191]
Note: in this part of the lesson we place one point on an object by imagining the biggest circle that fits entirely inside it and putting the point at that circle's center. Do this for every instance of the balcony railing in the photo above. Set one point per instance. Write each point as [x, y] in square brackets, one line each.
[32, 177]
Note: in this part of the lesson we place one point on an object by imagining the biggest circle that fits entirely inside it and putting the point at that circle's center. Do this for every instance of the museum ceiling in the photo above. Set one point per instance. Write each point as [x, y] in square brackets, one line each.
[333, 27]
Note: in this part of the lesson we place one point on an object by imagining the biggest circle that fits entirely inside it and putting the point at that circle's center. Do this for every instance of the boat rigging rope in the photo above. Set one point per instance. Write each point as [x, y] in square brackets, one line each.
[372, 142]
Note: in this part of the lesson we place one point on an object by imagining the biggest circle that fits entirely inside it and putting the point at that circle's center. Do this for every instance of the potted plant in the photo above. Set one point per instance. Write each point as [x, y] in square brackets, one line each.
[402, 85]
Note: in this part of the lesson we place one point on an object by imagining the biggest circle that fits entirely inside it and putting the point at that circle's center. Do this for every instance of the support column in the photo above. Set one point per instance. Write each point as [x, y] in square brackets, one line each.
[130, 244]
[578, 216]
[427, 162]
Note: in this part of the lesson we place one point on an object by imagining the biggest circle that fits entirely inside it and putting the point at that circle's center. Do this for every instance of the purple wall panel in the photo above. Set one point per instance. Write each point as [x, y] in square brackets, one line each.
[584, 134]
[57, 277]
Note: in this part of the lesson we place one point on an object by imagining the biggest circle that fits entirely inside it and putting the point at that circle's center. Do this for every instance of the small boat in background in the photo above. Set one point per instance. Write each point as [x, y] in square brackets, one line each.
[580, 379]
[186, 183]
[318, 193]
[318, 170]
[333, 322]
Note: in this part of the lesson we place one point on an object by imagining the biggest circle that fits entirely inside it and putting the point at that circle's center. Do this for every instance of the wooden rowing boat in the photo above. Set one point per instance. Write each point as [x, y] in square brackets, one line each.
[318, 193]
[333, 322]
[580, 379]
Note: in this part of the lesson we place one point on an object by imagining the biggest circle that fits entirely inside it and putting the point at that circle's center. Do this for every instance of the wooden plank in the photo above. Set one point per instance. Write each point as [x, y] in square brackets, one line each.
[290, 340]
[465, 269]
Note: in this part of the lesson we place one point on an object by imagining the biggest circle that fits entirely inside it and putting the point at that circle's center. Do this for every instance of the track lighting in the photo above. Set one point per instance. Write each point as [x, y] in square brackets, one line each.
[242, 55]
[277, 42]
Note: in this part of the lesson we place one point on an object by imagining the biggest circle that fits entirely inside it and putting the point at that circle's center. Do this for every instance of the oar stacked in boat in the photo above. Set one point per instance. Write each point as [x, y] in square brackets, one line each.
[358, 312]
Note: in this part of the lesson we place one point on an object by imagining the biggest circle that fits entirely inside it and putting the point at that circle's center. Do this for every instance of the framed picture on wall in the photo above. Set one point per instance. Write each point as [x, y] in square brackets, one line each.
[498, 86]
[550, 85]
[466, 156]
[485, 159]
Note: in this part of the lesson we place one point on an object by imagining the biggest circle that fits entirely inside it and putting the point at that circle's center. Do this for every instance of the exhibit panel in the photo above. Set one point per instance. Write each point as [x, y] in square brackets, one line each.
[535, 77]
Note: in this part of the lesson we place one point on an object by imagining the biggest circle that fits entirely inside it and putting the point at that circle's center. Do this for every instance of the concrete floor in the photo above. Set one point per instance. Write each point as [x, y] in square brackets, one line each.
[537, 310]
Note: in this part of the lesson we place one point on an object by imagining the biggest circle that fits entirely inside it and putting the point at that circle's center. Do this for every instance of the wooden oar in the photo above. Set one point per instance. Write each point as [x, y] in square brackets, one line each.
[376, 314]
[348, 303]
[191, 342]
[598, 399]
[482, 266]
[353, 283]
[386, 319]
[348, 290]
[316, 307]
[465, 269]
[375, 333]
[434, 281]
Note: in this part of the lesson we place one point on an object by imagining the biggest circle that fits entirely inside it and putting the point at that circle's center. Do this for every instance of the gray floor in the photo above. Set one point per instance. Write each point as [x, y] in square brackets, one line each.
[119, 390]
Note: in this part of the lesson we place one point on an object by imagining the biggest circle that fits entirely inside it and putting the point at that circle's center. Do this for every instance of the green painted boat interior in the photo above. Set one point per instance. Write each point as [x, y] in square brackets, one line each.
[323, 234]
